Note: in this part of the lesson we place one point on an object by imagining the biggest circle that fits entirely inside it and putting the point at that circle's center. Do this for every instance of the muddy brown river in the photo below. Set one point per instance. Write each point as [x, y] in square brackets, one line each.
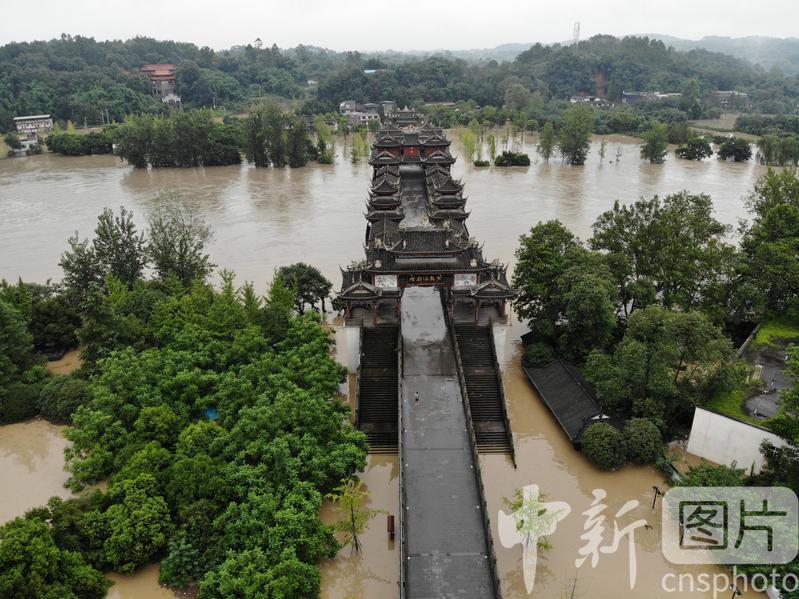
[265, 218]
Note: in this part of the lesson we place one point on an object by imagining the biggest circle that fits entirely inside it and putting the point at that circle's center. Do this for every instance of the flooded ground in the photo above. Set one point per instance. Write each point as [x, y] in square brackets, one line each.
[264, 218]
[546, 457]
[375, 572]
[68, 363]
[31, 466]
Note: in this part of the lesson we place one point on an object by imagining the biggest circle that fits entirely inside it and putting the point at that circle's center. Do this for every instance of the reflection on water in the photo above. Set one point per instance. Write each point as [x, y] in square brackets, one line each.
[31, 466]
[265, 218]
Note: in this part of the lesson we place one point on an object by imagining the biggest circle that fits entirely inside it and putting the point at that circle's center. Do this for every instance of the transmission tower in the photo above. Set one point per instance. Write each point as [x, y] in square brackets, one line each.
[576, 33]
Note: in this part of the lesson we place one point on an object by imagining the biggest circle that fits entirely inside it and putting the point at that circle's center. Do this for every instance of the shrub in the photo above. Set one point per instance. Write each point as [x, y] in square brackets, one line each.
[512, 159]
[642, 440]
[604, 445]
[538, 354]
[482, 163]
[18, 401]
[61, 396]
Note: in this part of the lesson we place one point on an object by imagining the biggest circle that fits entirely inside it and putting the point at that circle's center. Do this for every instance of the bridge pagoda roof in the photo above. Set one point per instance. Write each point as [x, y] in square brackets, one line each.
[385, 186]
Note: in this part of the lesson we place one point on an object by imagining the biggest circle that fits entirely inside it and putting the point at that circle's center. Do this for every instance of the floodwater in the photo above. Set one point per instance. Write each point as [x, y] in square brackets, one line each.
[545, 457]
[265, 218]
[67, 364]
[31, 466]
[375, 571]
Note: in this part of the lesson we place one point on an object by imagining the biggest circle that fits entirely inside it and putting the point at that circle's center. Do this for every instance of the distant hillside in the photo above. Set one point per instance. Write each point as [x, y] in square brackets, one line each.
[766, 51]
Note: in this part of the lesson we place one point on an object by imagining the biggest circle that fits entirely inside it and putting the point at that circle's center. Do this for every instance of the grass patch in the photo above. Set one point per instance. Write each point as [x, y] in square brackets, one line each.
[730, 403]
[778, 328]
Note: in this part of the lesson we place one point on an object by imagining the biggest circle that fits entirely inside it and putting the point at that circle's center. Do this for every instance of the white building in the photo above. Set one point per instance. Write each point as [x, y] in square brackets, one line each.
[31, 127]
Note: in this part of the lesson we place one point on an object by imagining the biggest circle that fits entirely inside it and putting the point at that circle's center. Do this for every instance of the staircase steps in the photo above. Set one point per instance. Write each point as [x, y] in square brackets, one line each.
[484, 388]
[377, 388]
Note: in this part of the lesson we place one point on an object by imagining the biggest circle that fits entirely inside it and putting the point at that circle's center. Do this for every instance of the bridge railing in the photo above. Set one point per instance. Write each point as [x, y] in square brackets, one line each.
[492, 558]
[502, 394]
[403, 531]
[358, 379]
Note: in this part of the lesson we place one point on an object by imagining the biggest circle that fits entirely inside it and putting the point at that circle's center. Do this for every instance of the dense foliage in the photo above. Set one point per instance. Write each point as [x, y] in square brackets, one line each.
[604, 445]
[74, 144]
[694, 149]
[90, 82]
[186, 138]
[230, 501]
[645, 306]
[642, 440]
[275, 138]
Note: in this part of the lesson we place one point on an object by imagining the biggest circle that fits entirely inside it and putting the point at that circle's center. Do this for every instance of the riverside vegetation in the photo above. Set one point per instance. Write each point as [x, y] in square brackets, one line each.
[229, 502]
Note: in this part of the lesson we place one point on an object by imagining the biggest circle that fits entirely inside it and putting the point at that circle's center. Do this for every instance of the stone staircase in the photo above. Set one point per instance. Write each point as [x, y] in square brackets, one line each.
[484, 388]
[377, 388]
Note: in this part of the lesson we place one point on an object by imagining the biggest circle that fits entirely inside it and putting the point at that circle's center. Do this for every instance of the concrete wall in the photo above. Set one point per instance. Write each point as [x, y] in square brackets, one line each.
[348, 347]
[724, 440]
[500, 332]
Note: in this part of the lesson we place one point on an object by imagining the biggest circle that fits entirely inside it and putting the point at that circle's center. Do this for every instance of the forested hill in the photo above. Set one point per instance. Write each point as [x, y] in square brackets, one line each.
[77, 78]
[768, 52]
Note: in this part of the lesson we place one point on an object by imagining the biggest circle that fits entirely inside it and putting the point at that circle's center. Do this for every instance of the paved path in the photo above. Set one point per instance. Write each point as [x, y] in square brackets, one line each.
[446, 542]
[413, 195]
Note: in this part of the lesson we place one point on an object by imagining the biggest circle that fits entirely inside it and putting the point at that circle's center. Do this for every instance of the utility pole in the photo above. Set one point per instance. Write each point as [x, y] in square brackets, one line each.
[576, 35]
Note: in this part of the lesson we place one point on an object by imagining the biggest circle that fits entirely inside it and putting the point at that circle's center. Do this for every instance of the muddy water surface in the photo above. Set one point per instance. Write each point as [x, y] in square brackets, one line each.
[545, 457]
[264, 218]
[31, 466]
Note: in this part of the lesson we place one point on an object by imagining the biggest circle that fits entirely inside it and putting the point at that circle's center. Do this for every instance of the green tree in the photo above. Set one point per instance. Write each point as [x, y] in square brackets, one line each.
[691, 99]
[309, 285]
[16, 345]
[138, 526]
[118, 247]
[82, 268]
[694, 149]
[574, 138]
[179, 566]
[604, 446]
[670, 250]
[656, 144]
[771, 242]
[12, 140]
[178, 239]
[32, 565]
[667, 363]
[547, 142]
[492, 147]
[736, 148]
[350, 500]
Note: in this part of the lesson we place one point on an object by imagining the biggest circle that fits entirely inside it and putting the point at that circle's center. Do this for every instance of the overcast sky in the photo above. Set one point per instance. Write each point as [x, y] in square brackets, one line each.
[399, 25]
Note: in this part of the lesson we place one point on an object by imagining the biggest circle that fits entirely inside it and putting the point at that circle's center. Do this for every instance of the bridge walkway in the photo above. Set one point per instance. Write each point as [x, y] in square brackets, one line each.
[445, 547]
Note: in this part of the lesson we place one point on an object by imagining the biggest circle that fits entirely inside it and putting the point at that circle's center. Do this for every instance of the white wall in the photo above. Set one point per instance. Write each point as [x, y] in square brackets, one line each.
[724, 440]
[500, 332]
[348, 347]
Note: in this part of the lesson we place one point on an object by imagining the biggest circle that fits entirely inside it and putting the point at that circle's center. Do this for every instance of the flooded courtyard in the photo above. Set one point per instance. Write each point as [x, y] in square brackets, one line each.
[266, 218]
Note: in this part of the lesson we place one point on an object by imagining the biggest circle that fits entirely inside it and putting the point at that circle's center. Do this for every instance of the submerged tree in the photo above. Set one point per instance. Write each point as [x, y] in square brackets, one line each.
[575, 133]
[546, 142]
[350, 499]
[656, 144]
